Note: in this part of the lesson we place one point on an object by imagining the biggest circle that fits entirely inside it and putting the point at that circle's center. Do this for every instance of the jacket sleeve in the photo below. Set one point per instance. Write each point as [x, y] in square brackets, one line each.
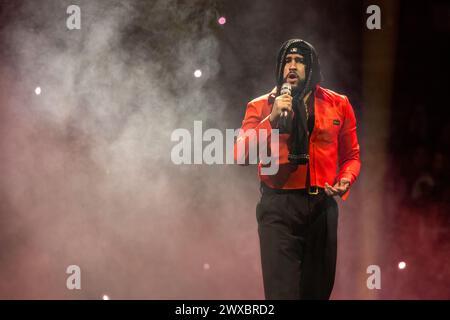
[249, 134]
[348, 148]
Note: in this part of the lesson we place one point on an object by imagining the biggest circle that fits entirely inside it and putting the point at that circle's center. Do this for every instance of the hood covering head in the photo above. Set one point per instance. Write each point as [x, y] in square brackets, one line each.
[313, 76]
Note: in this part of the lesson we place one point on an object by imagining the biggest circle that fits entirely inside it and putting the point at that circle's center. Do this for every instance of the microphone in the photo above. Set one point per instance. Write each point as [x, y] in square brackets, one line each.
[283, 122]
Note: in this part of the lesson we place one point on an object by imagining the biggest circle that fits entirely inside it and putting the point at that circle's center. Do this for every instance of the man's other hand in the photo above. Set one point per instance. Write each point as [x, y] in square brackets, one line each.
[339, 188]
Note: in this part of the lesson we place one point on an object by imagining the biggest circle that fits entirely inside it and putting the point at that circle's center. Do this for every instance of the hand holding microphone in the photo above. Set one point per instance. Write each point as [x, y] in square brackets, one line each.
[282, 108]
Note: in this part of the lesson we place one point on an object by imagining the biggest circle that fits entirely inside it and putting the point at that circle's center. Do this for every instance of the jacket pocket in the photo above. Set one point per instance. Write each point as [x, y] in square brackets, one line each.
[328, 129]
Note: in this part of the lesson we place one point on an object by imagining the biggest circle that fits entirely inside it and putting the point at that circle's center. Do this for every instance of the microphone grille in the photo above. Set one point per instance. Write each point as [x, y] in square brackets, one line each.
[286, 89]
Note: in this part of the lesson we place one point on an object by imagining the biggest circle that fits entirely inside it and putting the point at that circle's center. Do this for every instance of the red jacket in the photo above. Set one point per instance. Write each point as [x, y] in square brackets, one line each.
[333, 142]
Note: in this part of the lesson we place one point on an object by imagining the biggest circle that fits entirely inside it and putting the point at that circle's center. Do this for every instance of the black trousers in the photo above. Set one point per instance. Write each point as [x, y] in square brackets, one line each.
[298, 234]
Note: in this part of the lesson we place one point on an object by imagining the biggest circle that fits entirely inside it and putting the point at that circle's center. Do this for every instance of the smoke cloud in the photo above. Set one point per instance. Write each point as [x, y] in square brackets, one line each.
[86, 171]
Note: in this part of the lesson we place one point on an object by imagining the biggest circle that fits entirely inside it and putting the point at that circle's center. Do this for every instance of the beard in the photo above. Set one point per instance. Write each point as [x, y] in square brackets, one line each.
[297, 87]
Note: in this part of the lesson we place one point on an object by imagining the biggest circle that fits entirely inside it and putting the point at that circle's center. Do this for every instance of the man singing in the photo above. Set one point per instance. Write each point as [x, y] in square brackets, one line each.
[318, 159]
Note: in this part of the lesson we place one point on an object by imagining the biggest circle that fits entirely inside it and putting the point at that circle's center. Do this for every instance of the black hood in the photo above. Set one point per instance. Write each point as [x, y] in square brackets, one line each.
[313, 74]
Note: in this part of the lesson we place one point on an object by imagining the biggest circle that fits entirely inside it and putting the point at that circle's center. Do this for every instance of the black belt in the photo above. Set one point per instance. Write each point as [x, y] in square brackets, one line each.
[310, 190]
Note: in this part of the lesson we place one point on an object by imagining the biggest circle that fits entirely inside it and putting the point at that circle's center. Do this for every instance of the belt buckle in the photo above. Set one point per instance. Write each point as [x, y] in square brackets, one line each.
[311, 192]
